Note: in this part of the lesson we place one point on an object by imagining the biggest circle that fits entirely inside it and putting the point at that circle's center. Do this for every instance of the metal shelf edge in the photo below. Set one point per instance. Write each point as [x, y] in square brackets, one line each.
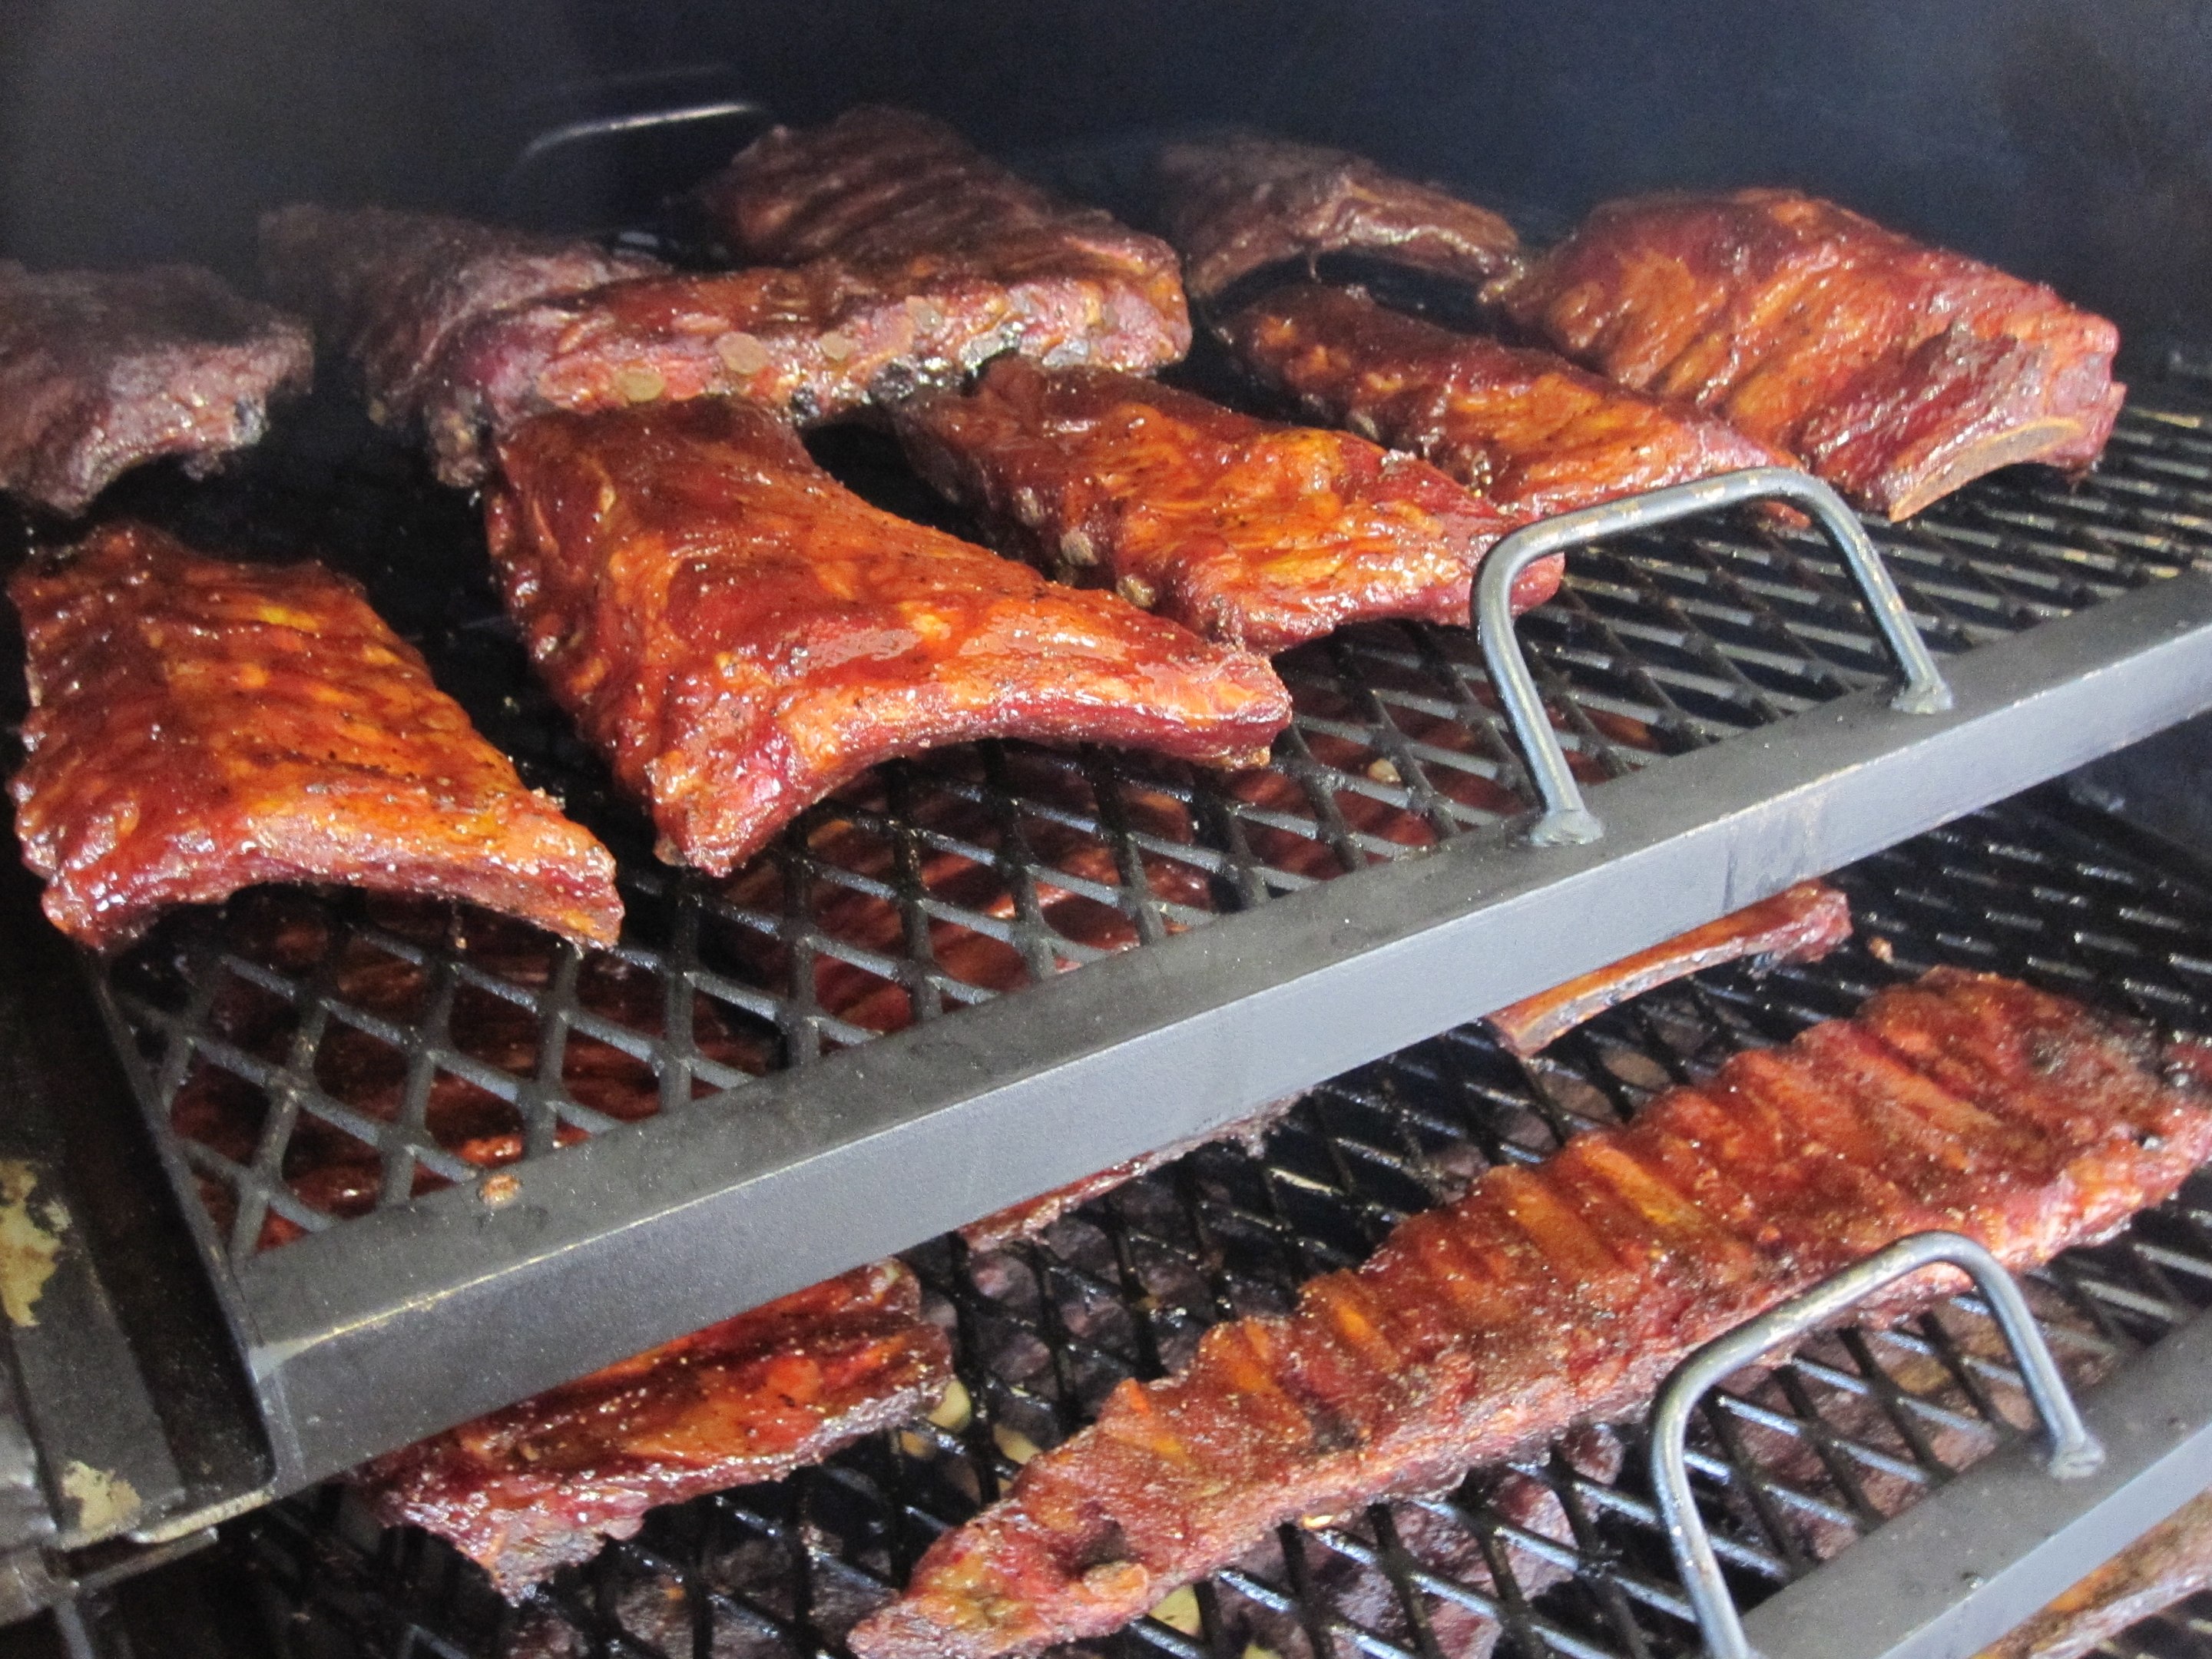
[1968, 1563]
[422, 1315]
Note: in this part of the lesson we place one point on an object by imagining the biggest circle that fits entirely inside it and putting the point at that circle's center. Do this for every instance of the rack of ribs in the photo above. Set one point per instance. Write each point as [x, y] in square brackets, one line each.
[1236, 204]
[545, 1483]
[918, 286]
[1894, 371]
[390, 291]
[740, 634]
[197, 727]
[102, 371]
[1799, 924]
[1564, 1293]
[1249, 531]
[1531, 432]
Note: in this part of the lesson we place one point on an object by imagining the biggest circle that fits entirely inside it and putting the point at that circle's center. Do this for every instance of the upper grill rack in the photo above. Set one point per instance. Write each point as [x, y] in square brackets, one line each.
[1561, 1555]
[317, 1057]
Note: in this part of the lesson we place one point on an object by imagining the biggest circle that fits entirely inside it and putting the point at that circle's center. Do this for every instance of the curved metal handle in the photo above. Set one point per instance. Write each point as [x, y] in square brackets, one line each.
[2073, 1451]
[615, 126]
[1566, 819]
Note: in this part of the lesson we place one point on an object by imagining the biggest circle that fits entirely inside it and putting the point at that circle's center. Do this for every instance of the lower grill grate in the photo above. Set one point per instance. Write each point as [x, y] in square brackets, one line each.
[317, 1057]
[1560, 1555]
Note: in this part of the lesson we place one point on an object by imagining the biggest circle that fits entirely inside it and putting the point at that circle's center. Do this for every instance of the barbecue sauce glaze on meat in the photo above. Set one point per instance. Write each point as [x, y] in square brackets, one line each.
[102, 371]
[1235, 204]
[1533, 434]
[740, 634]
[1799, 924]
[197, 727]
[1894, 371]
[1249, 531]
[389, 290]
[546, 1482]
[919, 287]
[1565, 1292]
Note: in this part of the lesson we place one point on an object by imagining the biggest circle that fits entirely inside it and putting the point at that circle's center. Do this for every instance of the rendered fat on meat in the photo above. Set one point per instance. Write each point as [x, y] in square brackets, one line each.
[103, 371]
[918, 287]
[1527, 431]
[389, 290]
[545, 1483]
[740, 634]
[1239, 203]
[1565, 1292]
[197, 727]
[1250, 531]
[1895, 371]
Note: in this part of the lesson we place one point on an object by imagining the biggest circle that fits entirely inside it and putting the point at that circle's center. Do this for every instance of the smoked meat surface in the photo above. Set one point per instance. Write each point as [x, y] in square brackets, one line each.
[197, 727]
[1250, 531]
[1564, 1293]
[739, 633]
[1895, 371]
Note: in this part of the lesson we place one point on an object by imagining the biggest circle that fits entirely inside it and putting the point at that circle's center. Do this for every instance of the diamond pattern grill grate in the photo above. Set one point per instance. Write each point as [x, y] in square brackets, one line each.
[319, 1055]
[1561, 1555]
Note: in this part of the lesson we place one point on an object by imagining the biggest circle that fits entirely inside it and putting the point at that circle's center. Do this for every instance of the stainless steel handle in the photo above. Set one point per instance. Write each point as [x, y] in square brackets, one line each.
[2073, 1451]
[1566, 819]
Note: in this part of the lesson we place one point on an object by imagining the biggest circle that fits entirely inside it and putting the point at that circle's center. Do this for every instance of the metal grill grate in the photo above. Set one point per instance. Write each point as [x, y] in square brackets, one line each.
[1559, 1555]
[319, 1056]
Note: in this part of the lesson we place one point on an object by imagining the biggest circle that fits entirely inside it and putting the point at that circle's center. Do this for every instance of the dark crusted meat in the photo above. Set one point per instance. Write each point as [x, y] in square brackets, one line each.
[197, 727]
[1238, 203]
[1252, 532]
[1799, 924]
[740, 634]
[1565, 1292]
[102, 371]
[389, 290]
[547, 1482]
[1533, 434]
[1894, 371]
[917, 288]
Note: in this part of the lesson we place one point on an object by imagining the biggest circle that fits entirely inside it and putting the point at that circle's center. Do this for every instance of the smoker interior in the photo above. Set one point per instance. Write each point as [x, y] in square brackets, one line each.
[1561, 1554]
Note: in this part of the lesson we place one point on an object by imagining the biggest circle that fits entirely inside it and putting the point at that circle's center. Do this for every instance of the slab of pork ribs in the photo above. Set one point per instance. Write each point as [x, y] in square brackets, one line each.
[940, 260]
[740, 634]
[1531, 432]
[197, 727]
[1895, 371]
[1564, 1292]
[102, 371]
[1250, 531]
[390, 291]
[1799, 924]
[545, 1483]
[1236, 204]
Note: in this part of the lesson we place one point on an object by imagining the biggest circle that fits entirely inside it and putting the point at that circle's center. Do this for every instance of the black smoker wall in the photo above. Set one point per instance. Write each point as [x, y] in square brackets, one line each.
[2067, 139]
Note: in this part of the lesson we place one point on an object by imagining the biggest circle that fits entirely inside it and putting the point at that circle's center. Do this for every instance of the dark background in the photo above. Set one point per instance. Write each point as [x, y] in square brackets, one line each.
[2067, 139]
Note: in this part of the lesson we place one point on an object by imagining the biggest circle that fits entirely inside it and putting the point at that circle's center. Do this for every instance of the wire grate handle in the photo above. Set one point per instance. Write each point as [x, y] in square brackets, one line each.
[1566, 819]
[2072, 1451]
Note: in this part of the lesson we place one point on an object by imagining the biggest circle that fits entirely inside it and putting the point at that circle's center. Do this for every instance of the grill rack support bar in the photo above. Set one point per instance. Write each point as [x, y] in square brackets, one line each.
[1566, 820]
[2072, 1453]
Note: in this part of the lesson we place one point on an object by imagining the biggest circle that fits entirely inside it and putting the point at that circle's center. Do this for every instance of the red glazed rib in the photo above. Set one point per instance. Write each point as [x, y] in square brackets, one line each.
[1564, 1292]
[1799, 924]
[740, 634]
[546, 1482]
[1531, 432]
[197, 727]
[1896, 372]
[1249, 531]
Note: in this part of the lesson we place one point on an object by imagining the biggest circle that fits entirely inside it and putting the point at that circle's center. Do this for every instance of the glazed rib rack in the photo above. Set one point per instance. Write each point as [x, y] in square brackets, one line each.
[1563, 1554]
